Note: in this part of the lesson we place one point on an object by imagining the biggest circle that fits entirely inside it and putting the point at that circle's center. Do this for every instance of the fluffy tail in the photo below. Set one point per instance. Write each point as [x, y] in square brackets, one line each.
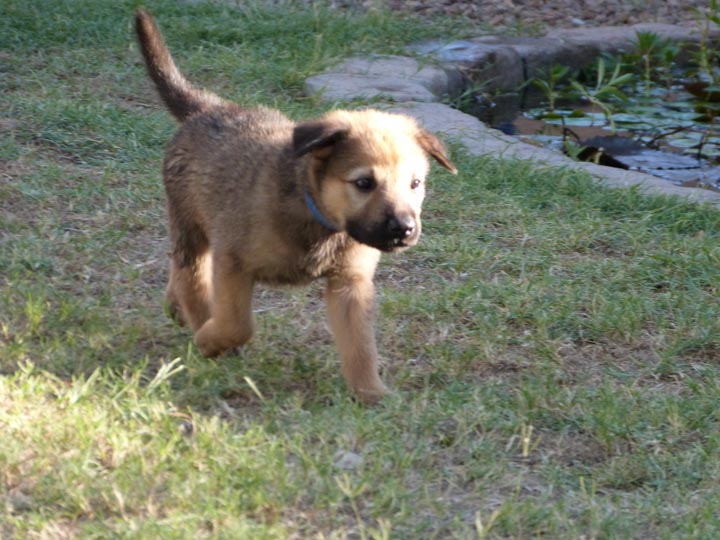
[179, 95]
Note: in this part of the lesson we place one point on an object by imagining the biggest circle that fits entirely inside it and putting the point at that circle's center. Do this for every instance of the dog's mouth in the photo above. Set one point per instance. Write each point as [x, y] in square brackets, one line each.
[398, 244]
[379, 238]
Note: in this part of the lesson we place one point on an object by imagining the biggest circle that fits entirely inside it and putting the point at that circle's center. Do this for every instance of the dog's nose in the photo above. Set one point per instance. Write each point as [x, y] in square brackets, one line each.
[401, 226]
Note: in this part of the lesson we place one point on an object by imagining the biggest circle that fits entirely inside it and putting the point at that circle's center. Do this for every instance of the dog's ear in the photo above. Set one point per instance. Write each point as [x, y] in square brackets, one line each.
[432, 145]
[317, 137]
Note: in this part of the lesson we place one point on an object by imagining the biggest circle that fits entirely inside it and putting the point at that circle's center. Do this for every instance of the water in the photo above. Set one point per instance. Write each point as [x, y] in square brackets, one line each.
[667, 132]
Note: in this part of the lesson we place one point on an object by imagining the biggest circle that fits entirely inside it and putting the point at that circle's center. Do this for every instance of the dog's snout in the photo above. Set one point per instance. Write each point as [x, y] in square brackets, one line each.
[401, 226]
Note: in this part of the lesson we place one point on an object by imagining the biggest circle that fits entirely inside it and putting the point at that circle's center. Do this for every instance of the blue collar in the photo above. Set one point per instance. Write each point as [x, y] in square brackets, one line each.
[322, 220]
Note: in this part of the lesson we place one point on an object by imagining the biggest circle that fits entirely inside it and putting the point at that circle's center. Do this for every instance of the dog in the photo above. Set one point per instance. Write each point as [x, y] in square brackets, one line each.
[253, 197]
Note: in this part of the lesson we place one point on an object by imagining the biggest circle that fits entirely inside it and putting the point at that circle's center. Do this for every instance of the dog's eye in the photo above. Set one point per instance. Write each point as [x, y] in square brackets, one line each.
[365, 183]
[415, 183]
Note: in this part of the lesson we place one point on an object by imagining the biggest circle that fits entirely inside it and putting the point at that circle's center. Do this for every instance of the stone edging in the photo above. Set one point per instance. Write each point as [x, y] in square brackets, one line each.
[416, 88]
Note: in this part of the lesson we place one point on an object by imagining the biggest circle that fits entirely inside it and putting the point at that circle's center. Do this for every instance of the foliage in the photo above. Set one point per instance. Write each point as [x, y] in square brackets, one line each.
[605, 88]
[656, 54]
[549, 85]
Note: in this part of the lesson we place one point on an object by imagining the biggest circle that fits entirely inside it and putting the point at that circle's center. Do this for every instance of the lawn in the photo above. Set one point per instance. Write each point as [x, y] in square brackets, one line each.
[553, 346]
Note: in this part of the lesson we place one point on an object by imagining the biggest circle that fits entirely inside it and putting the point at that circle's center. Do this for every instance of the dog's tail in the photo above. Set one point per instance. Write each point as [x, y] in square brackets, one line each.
[181, 97]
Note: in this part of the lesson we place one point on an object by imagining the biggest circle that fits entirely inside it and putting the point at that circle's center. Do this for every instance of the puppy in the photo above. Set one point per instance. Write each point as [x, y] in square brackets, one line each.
[254, 197]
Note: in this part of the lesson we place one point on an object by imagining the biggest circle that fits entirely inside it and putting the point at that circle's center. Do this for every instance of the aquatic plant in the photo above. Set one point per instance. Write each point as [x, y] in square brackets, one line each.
[549, 86]
[606, 88]
[656, 53]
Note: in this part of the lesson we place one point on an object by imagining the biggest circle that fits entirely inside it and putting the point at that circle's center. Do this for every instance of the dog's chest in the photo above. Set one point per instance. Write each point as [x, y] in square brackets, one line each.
[303, 265]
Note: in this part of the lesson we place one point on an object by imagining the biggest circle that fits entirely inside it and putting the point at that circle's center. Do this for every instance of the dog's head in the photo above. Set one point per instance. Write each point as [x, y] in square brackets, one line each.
[367, 172]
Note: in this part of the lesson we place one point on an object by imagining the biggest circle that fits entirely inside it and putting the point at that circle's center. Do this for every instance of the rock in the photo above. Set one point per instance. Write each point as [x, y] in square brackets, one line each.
[347, 460]
[343, 87]
[495, 66]
[186, 428]
[677, 33]
[439, 118]
[396, 78]
[8, 125]
[538, 55]
[503, 63]
[17, 502]
[619, 39]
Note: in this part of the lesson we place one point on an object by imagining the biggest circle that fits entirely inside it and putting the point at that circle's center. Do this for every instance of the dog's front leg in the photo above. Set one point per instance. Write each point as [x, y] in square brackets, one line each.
[350, 302]
[231, 322]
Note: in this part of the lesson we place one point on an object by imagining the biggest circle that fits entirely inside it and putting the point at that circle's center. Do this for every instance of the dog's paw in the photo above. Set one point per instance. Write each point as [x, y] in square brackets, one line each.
[212, 339]
[372, 396]
[209, 342]
[174, 311]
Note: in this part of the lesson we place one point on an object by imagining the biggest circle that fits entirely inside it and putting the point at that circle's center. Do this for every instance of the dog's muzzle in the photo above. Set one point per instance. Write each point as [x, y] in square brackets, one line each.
[401, 228]
[402, 231]
[394, 234]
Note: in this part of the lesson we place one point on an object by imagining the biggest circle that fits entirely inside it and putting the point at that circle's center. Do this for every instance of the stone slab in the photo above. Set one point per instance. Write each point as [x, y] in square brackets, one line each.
[504, 63]
[491, 66]
[395, 78]
[621, 36]
[538, 55]
[343, 87]
[621, 39]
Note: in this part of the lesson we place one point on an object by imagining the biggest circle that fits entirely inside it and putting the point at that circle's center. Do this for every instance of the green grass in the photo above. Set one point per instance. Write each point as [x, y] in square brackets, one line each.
[554, 346]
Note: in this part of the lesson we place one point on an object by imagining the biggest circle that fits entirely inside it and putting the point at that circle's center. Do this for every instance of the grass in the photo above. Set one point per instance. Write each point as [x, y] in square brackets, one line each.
[554, 346]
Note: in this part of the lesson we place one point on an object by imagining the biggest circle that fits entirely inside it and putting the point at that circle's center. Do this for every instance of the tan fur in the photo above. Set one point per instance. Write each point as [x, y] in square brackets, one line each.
[236, 181]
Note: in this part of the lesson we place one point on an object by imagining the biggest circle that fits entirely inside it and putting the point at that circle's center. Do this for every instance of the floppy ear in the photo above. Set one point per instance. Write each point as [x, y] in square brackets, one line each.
[435, 148]
[317, 137]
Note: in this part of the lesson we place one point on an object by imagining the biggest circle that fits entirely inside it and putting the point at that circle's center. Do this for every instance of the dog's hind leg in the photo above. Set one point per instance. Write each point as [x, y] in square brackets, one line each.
[188, 293]
[189, 289]
[173, 307]
[231, 322]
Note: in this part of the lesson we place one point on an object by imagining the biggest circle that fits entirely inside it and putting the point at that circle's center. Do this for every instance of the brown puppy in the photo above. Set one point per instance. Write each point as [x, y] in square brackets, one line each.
[255, 197]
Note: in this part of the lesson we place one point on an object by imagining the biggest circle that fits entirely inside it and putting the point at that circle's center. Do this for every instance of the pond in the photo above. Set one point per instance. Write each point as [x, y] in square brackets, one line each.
[667, 130]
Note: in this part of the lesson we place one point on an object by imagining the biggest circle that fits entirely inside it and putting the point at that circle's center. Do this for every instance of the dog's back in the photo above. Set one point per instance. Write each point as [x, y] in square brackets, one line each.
[223, 154]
